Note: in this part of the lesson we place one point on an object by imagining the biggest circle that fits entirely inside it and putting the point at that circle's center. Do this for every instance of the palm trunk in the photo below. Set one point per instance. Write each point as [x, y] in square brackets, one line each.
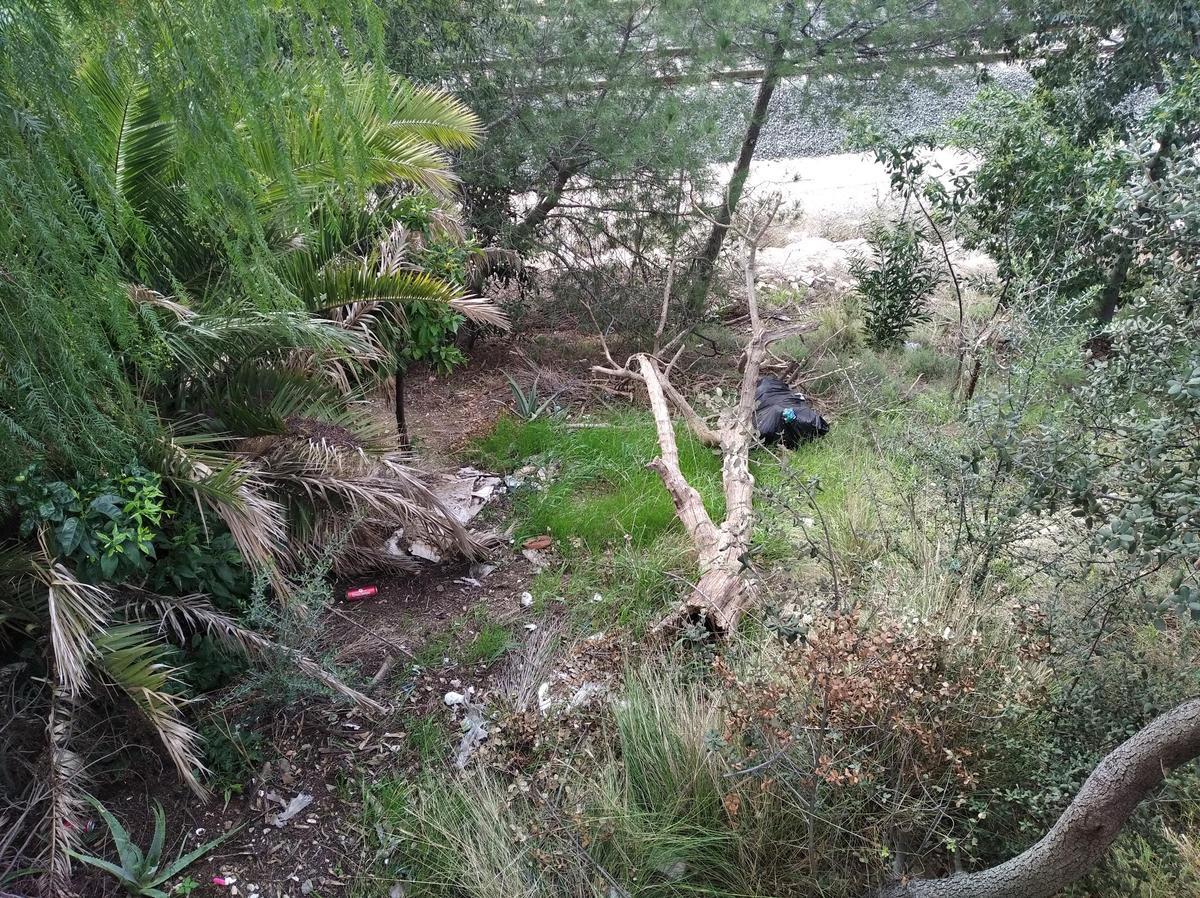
[401, 425]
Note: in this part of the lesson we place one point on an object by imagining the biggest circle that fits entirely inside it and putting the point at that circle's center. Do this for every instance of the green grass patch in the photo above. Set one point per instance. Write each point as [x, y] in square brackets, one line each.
[427, 737]
[492, 641]
[600, 492]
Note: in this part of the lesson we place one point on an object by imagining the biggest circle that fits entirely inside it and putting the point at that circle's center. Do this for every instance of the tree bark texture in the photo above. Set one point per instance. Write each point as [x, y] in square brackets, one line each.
[705, 262]
[1090, 823]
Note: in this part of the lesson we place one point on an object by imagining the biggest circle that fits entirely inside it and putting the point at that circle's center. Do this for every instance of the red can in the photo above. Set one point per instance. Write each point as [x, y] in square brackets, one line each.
[361, 592]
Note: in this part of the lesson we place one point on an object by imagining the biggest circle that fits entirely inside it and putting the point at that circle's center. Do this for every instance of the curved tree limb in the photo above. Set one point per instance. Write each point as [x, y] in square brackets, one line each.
[1090, 823]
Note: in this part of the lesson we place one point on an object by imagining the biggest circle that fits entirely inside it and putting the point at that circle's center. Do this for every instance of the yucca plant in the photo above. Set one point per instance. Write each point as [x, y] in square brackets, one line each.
[142, 872]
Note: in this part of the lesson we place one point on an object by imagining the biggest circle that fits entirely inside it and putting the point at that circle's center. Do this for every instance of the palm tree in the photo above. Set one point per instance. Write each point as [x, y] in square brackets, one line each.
[263, 403]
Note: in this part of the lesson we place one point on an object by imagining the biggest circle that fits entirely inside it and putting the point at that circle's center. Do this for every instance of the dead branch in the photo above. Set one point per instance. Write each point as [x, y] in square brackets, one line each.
[722, 593]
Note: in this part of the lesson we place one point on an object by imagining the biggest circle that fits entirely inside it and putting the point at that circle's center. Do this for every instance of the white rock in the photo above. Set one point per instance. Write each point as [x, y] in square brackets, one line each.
[526, 599]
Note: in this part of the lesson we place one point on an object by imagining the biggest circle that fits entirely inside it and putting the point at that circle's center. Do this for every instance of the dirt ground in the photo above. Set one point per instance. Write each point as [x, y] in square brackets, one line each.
[321, 749]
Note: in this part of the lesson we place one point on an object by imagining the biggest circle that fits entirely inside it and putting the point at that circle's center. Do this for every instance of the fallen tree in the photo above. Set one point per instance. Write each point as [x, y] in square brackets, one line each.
[722, 592]
[1090, 823]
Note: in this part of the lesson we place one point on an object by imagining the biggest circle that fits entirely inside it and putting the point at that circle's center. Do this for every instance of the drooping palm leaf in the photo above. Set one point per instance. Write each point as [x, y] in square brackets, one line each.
[184, 615]
[231, 487]
[77, 613]
[136, 663]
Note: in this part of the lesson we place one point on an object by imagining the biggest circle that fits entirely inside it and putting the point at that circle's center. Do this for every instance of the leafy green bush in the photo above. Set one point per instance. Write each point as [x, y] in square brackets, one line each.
[107, 528]
[895, 289]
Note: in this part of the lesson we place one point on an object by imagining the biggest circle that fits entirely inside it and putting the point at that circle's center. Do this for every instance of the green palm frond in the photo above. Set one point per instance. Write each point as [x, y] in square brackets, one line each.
[138, 138]
[207, 344]
[429, 113]
[136, 663]
[402, 135]
[139, 145]
[340, 285]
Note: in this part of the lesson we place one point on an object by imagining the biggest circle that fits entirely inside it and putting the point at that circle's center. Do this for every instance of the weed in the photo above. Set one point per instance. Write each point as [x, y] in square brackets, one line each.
[427, 736]
[492, 641]
[928, 364]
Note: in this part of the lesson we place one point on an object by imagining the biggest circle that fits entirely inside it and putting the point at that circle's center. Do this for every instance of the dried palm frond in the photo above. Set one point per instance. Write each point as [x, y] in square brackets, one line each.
[388, 494]
[365, 549]
[64, 785]
[136, 664]
[481, 311]
[142, 295]
[231, 486]
[183, 615]
[77, 613]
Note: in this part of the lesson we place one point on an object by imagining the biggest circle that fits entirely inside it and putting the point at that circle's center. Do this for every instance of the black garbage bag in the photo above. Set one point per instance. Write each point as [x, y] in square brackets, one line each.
[783, 416]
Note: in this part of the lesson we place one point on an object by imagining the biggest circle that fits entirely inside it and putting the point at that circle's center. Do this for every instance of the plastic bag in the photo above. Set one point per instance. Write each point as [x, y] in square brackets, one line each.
[784, 416]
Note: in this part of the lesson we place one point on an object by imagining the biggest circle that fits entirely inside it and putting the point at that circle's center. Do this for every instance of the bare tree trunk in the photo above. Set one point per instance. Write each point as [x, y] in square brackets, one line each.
[705, 263]
[1090, 823]
[544, 206]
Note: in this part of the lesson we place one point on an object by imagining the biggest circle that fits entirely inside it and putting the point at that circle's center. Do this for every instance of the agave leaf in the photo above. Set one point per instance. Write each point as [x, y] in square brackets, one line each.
[184, 861]
[154, 852]
[129, 853]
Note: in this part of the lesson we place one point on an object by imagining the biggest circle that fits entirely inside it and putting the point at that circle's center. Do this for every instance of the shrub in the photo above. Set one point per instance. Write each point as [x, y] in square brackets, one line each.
[929, 364]
[895, 291]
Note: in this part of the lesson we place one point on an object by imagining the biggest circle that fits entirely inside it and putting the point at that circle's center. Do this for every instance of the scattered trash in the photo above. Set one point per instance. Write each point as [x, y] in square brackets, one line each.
[425, 551]
[291, 808]
[596, 597]
[526, 599]
[538, 559]
[480, 570]
[538, 543]
[782, 416]
[466, 492]
[361, 592]
[220, 881]
[399, 890]
[469, 581]
[543, 697]
[474, 732]
[585, 694]
[531, 627]
[454, 698]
